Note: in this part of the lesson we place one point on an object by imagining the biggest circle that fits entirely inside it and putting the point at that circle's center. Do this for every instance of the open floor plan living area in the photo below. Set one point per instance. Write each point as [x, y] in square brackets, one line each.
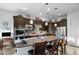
[39, 29]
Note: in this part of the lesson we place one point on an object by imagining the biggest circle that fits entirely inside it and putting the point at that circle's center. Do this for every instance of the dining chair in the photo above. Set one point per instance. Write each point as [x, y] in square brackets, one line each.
[7, 42]
[1, 45]
[39, 49]
[54, 48]
[49, 46]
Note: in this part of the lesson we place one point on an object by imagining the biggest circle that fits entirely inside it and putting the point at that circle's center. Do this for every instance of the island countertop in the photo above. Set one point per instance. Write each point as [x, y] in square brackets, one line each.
[33, 40]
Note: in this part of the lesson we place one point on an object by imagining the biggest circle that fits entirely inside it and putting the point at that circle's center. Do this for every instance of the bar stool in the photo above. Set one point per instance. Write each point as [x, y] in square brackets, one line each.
[62, 45]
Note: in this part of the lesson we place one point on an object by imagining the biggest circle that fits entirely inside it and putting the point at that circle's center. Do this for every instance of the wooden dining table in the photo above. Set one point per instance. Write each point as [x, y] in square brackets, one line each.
[33, 40]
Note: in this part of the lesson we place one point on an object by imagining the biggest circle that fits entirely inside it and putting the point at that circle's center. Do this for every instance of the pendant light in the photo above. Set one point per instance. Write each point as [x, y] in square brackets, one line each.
[55, 24]
[46, 23]
[31, 21]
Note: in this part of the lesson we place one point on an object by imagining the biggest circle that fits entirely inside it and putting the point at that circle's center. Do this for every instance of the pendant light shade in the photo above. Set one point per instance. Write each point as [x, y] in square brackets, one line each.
[46, 23]
[55, 24]
[31, 21]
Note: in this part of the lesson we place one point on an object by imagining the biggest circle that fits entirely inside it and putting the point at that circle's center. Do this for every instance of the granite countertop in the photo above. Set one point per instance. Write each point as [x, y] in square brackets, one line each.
[31, 41]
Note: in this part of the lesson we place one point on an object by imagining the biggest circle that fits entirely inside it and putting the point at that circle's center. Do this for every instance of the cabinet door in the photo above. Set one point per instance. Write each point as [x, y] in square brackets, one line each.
[26, 21]
[18, 21]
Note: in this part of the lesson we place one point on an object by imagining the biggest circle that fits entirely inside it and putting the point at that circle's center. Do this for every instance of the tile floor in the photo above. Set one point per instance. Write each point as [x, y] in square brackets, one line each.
[7, 51]
[71, 50]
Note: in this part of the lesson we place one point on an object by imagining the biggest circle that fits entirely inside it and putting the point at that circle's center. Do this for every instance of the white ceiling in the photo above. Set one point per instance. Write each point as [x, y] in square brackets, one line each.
[34, 9]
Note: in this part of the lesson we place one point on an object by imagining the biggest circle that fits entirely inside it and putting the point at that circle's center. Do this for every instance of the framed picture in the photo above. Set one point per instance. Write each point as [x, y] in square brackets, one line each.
[28, 27]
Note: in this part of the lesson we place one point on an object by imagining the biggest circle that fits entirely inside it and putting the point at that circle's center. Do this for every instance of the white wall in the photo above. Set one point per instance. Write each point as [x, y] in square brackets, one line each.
[6, 16]
[73, 28]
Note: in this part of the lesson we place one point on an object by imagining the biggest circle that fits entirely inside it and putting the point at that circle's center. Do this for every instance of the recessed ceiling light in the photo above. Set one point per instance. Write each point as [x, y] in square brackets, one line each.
[46, 3]
[41, 14]
[50, 16]
[24, 8]
[56, 8]
[48, 9]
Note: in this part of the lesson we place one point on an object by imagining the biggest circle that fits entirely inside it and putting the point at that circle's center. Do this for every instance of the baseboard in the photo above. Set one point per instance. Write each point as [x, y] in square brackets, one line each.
[74, 46]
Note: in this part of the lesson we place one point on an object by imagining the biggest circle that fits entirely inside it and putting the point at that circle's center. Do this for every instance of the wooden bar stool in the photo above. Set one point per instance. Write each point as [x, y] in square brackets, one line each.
[62, 45]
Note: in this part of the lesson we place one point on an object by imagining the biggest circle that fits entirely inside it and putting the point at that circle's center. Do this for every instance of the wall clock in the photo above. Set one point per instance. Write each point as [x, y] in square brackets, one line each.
[5, 23]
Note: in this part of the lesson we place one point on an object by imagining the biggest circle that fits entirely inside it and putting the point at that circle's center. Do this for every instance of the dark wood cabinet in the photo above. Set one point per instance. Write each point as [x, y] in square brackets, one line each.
[61, 23]
[26, 21]
[20, 21]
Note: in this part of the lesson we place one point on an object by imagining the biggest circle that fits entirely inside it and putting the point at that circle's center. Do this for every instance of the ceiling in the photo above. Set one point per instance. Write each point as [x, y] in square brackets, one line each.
[42, 10]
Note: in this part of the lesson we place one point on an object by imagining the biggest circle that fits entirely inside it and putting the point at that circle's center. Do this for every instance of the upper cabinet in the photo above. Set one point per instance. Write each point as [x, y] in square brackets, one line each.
[63, 22]
[19, 21]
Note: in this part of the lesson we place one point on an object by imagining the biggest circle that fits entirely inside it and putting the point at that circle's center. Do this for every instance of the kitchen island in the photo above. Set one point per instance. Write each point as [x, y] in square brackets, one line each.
[31, 41]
